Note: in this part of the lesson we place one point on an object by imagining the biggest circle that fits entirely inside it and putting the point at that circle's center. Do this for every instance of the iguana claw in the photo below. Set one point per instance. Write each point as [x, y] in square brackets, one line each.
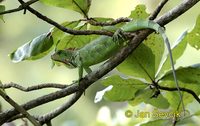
[119, 34]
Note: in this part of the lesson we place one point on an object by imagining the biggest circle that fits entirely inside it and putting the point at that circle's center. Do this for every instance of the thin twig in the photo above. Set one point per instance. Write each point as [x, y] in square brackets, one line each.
[92, 21]
[41, 100]
[62, 28]
[32, 88]
[70, 31]
[19, 116]
[182, 89]
[49, 116]
[19, 8]
[106, 67]
[19, 108]
[158, 9]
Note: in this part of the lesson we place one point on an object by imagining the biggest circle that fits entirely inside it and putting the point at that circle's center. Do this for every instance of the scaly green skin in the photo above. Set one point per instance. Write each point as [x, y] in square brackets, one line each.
[104, 47]
[93, 53]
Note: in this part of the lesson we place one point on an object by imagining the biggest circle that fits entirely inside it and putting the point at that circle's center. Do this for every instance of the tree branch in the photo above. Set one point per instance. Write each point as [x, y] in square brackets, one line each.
[158, 9]
[49, 116]
[92, 21]
[106, 67]
[62, 28]
[19, 108]
[176, 12]
[77, 32]
[182, 89]
[19, 8]
[32, 88]
[19, 116]
[41, 100]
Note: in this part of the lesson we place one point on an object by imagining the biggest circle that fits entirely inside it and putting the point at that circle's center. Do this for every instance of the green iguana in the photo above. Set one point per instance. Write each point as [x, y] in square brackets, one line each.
[104, 47]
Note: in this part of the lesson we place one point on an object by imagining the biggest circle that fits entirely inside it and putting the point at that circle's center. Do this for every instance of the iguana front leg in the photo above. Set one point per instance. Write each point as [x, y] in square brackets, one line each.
[80, 73]
[80, 69]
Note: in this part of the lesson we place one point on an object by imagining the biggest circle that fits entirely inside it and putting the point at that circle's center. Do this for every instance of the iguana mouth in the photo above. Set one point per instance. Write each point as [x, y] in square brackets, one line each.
[67, 62]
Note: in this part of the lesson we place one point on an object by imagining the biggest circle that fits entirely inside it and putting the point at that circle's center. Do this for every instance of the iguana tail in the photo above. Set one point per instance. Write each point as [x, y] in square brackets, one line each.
[143, 24]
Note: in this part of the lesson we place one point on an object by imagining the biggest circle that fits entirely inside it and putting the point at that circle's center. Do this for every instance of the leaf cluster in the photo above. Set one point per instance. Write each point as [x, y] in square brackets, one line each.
[145, 70]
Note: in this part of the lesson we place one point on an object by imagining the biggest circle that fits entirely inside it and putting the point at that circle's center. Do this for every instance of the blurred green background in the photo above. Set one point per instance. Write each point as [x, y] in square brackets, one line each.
[19, 28]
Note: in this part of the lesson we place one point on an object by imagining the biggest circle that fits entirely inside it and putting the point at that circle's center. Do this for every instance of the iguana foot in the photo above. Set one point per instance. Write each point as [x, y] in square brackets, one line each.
[119, 34]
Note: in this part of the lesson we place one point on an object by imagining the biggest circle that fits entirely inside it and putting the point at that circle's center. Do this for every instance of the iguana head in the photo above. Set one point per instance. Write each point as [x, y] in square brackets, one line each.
[64, 56]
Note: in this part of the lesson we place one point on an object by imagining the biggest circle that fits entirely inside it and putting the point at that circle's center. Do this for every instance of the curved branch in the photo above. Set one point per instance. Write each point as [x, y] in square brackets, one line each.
[78, 32]
[158, 9]
[106, 67]
[32, 88]
[19, 8]
[49, 116]
[182, 89]
[114, 22]
[4, 116]
[62, 28]
[176, 12]
[19, 108]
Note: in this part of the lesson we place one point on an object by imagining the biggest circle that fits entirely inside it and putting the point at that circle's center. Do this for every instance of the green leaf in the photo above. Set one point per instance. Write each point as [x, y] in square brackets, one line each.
[144, 61]
[2, 8]
[188, 77]
[194, 36]
[157, 45]
[142, 96]
[158, 122]
[81, 6]
[173, 96]
[35, 49]
[59, 35]
[174, 99]
[145, 95]
[169, 122]
[190, 74]
[139, 12]
[178, 49]
[64, 40]
[187, 120]
[197, 113]
[123, 89]
[159, 102]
